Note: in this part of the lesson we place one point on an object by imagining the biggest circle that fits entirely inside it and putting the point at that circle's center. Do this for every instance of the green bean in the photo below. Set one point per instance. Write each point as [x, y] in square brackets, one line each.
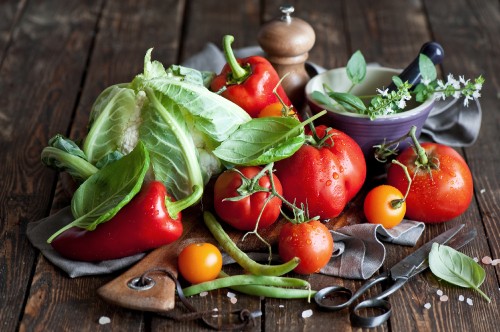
[240, 257]
[245, 279]
[273, 291]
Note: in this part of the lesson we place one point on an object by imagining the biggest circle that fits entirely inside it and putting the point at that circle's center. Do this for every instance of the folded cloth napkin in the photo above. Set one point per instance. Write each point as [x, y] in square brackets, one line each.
[358, 254]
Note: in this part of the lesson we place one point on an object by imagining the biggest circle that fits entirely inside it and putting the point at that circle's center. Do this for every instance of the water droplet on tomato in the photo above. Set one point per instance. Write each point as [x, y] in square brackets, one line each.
[328, 183]
[335, 175]
[341, 169]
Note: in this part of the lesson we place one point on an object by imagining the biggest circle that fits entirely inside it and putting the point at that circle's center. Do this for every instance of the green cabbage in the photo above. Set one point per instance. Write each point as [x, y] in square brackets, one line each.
[171, 111]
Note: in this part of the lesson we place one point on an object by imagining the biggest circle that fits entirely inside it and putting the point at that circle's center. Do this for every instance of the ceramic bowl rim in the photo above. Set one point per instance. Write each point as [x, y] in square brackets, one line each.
[370, 69]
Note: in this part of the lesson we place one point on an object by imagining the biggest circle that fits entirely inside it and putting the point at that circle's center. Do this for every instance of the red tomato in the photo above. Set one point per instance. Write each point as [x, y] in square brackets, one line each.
[384, 205]
[352, 159]
[439, 193]
[243, 214]
[310, 241]
[324, 178]
[200, 262]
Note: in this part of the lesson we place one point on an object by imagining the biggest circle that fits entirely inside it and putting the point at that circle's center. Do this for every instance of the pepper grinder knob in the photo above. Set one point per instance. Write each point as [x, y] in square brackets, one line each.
[287, 42]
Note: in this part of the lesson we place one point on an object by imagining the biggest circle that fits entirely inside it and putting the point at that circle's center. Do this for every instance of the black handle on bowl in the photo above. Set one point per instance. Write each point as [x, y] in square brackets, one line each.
[411, 74]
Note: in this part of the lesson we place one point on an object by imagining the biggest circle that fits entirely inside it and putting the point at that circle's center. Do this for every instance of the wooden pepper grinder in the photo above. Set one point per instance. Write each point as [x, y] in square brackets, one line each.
[287, 42]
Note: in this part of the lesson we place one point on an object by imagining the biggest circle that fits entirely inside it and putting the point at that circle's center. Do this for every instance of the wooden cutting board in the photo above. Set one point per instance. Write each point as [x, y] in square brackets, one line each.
[161, 297]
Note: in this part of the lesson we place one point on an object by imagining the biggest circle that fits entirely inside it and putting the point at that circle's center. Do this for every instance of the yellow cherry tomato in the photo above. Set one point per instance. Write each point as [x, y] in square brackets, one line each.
[200, 262]
[275, 109]
[385, 205]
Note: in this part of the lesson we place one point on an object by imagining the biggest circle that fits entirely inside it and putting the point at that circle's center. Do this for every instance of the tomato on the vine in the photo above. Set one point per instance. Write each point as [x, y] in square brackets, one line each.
[276, 109]
[310, 241]
[323, 176]
[384, 205]
[244, 213]
[200, 262]
[441, 187]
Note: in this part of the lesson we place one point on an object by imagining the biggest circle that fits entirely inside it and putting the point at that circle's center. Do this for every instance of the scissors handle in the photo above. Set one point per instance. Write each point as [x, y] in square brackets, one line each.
[343, 297]
[379, 305]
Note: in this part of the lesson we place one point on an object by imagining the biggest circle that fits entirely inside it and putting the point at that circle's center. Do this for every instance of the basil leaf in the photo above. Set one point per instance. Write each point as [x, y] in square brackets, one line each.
[456, 268]
[398, 82]
[348, 101]
[356, 68]
[103, 194]
[261, 141]
[427, 68]
[322, 98]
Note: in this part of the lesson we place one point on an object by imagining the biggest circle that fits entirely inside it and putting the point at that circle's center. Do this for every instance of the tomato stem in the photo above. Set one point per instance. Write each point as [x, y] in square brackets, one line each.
[408, 178]
[383, 151]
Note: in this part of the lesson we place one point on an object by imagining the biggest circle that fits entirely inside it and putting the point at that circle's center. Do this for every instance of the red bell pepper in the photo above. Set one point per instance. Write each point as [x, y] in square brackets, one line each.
[248, 82]
[143, 224]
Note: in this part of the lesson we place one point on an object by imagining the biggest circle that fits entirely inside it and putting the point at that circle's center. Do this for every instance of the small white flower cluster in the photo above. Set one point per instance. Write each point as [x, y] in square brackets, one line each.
[457, 88]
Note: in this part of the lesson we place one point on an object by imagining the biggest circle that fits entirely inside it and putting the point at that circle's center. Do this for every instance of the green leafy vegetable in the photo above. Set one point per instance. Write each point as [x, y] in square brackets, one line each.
[64, 155]
[356, 68]
[456, 268]
[103, 194]
[262, 140]
[171, 146]
[114, 120]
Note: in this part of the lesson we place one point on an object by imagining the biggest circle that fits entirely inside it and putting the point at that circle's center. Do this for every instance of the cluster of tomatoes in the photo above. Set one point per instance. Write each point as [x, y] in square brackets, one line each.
[321, 178]
[318, 180]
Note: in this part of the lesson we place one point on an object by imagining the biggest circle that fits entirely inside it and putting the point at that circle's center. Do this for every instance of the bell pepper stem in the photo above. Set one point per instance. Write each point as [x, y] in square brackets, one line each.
[174, 208]
[239, 74]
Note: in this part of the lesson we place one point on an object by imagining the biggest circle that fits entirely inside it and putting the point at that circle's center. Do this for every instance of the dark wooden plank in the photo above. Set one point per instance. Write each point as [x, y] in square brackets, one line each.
[125, 31]
[209, 21]
[10, 11]
[39, 80]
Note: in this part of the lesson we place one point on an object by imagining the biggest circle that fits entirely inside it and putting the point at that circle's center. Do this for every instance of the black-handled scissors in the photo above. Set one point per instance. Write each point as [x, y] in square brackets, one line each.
[398, 275]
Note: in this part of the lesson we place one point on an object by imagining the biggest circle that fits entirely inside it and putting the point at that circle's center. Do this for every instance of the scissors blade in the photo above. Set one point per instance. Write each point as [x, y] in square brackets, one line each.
[408, 265]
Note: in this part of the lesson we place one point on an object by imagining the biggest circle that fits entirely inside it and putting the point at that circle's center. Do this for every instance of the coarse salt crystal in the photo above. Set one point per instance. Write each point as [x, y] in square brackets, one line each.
[482, 191]
[495, 262]
[427, 305]
[215, 310]
[461, 298]
[104, 320]
[486, 260]
[443, 298]
[281, 306]
[233, 300]
[202, 294]
[469, 301]
[231, 295]
[307, 313]
[439, 292]
[476, 259]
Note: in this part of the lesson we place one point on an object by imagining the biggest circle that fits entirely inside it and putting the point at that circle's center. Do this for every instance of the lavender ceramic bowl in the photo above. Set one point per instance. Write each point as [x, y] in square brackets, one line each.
[364, 131]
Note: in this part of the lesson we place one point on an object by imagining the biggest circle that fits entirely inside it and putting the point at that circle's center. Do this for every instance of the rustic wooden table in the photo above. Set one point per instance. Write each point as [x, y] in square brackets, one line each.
[57, 56]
